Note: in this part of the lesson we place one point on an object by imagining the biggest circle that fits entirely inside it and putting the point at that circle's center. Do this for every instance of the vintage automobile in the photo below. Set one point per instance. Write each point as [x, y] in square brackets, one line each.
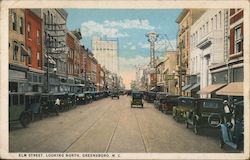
[32, 102]
[115, 94]
[48, 104]
[231, 134]
[184, 104]
[80, 98]
[17, 109]
[205, 113]
[169, 102]
[88, 96]
[136, 99]
[160, 100]
[150, 97]
[71, 101]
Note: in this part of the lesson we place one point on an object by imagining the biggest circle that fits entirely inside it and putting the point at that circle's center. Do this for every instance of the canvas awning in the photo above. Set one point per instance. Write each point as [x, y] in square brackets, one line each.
[186, 86]
[51, 61]
[232, 89]
[24, 51]
[211, 88]
[193, 87]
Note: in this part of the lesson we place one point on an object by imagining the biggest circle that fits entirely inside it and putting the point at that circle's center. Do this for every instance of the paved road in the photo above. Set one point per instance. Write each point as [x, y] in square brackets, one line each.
[111, 126]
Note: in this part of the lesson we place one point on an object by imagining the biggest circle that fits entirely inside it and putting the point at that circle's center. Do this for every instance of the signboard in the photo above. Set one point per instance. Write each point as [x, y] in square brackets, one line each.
[169, 77]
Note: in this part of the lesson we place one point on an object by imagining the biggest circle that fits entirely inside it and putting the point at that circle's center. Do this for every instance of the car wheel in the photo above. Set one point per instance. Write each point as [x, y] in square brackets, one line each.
[221, 142]
[25, 120]
[196, 130]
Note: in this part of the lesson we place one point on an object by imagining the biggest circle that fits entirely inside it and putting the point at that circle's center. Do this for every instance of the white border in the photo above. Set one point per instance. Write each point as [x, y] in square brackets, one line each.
[122, 4]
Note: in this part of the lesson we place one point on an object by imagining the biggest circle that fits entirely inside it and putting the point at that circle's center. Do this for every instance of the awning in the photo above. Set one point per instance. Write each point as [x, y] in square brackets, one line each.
[232, 89]
[211, 88]
[51, 61]
[80, 85]
[196, 85]
[24, 51]
[186, 86]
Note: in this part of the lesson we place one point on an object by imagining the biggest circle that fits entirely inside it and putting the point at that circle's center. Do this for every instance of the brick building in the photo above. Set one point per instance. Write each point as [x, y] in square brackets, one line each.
[235, 61]
[33, 39]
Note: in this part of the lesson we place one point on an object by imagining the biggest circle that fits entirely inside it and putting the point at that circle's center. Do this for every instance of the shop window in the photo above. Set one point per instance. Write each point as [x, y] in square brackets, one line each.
[237, 40]
[14, 21]
[21, 99]
[13, 86]
[15, 99]
[29, 77]
[35, 78]
[40, 79]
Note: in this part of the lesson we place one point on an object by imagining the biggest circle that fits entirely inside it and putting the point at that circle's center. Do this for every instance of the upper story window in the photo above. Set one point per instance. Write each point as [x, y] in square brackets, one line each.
[220, 20]
[38, 59]
[21, 25]
[216, 21]
[22, 55]
[15, 51]
[29, 56]
[38, 36]
[237, 39]
[28, 29]
[14, 21]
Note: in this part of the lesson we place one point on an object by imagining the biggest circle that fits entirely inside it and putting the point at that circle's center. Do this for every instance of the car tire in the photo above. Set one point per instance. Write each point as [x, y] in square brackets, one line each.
[25, 119]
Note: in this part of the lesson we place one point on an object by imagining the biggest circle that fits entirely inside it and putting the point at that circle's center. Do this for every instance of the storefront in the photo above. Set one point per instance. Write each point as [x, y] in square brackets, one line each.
[18, 78]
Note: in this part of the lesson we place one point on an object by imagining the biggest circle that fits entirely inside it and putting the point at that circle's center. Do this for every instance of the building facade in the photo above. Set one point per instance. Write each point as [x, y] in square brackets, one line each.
[33, 38]
[106, 52]
[207, 49]
[185, 20]
[17, 52]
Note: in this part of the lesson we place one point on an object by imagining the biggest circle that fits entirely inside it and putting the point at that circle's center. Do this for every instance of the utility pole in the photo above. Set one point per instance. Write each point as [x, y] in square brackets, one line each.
[54, 31]
[180, 68]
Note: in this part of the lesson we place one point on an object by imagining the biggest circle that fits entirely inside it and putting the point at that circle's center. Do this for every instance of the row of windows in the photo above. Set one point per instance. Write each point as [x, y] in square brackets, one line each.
[21, 27]
[215, 23]
[14, 23]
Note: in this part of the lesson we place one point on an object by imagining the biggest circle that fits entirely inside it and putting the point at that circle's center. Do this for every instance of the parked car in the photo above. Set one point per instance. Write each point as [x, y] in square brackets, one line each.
[184, 104]
[80, 98]
[18, 112]
[231, 134]
[88, 97]
[71, 101]
[115, 94]
[136, 99]
[160, 100]
[33, 103]
[48, 104]
[171, 100]
[206, 113]
[150, 97]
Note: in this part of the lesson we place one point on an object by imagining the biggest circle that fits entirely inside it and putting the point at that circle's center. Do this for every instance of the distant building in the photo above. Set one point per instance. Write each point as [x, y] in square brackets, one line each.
[106, 52]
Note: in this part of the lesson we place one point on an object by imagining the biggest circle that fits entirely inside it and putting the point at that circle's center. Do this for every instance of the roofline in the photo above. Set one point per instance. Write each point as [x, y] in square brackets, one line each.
[181, 15]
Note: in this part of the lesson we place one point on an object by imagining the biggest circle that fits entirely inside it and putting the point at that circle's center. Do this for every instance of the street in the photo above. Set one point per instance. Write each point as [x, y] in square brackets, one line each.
[111, 126]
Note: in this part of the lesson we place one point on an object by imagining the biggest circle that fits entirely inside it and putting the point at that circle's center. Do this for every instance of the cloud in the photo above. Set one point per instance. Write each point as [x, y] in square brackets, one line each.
[130, 24]
[133, 47]
[91, 28]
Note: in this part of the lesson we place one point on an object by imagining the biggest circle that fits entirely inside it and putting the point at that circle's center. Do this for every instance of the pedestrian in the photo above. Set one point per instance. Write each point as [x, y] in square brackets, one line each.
[227, 111]
[57, 104]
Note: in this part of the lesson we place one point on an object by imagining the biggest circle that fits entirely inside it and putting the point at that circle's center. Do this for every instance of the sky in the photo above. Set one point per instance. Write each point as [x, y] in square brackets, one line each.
[129, 26]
